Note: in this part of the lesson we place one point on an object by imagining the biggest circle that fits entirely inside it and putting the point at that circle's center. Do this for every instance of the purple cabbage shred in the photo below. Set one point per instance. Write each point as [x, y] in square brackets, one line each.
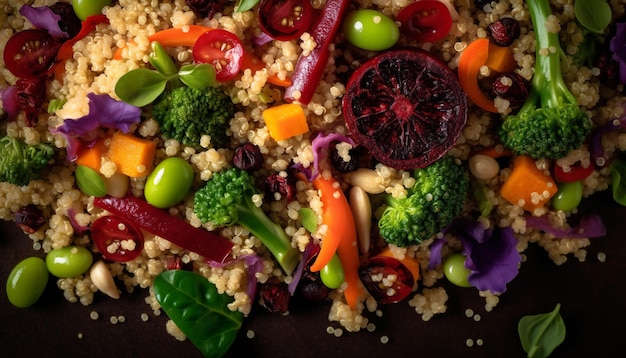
[44, 18]
[618, 47]
[320, 146]
[589, 227]
[254, 265]
[9, 101]
[598, 155]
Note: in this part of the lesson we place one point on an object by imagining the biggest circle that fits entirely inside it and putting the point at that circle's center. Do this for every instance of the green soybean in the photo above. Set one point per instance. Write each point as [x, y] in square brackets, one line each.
[69, 261]
[89, 181]
[86, 8]
[26, 282]
[569, 196]
[370, 30]
[169, 182]
[455, 270]
[332, 274]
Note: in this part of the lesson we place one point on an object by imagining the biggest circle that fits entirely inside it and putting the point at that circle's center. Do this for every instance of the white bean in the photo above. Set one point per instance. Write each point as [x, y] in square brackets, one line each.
[103, 280]
[117, 185]
[483, 166]
[362, 212]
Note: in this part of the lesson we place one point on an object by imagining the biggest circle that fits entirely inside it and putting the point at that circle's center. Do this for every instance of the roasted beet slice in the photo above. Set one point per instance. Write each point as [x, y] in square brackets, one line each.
[406, 107]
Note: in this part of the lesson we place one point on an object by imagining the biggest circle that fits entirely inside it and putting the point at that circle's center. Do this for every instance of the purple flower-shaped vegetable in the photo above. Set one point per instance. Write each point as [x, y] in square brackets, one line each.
[490, 254]
[254, 265]
[320, 145]
[44, 18]
[9, 101]
[104, 111]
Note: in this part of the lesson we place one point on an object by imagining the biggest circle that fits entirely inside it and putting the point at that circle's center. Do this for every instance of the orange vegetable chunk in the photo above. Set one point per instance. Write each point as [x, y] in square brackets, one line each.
[527, 186]
[285, 121]
[92, 157]
[133, 156]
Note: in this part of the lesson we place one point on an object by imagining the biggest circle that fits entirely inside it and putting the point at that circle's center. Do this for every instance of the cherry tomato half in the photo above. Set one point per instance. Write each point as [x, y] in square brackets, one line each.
[285, 20]
[116, 238]
[425, 20]
[577, 172]
[223, 50]
[374, 273]
[30, 53]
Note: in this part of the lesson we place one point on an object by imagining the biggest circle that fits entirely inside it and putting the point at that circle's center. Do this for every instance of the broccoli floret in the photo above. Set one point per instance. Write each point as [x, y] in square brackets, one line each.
[431, 204]
[20, 163]
[186, 114]
[550, 123]
[226, 199]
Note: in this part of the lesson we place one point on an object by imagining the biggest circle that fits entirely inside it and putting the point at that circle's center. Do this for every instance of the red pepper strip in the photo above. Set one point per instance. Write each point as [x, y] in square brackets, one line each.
[577, 172]
[173, 229]
[66, 50]
[310, 68]
[340, 236]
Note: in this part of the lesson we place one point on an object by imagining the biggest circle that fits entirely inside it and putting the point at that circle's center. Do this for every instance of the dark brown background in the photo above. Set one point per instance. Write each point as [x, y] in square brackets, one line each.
[592, 295]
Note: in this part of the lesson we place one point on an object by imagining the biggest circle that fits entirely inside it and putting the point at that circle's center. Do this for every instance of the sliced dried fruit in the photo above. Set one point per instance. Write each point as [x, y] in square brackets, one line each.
[406, 107]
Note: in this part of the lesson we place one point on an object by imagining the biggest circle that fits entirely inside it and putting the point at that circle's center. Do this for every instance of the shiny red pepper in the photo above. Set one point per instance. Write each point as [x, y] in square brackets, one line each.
[175, 230]
[310, 68]
[577, 172]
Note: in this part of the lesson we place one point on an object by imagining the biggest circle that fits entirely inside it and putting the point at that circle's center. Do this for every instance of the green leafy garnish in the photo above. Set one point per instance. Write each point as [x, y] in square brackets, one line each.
[89, 181]
[479, 191]
[594, 15]
[541, 334]
[140, 87]
[197, 76]
[618, 181]
[245, 5]
[199, 311]
[56, 104]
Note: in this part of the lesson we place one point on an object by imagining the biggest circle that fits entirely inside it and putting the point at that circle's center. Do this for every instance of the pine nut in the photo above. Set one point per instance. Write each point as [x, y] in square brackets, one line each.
[101, 278]
[362, 212]
[366, 179]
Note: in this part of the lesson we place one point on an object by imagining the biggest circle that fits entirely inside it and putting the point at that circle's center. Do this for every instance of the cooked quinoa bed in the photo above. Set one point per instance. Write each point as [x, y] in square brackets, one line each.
[93, 69]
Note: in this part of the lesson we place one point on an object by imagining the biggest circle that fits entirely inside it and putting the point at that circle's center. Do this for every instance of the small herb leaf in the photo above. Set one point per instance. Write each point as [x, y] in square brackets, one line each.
[201, 313]
[541, 334]
[140, 87]
[198, 76]
[89, 181]
[618, 181]
[594, 15]
[245, 5]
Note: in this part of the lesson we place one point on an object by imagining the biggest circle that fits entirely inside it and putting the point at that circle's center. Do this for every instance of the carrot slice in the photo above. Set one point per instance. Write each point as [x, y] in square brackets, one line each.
[186, 36]
[500, 59]
[255, 64]
[472, 59]
[527, 186]
[133, 156]
[92, 157]
[285, 121]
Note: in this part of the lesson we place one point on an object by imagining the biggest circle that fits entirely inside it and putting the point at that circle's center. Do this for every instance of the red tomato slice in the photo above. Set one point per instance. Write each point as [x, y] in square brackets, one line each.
[425, 20]
[116, 238]
[30, 53]
[223, 50]
[385, 265]
[285, 20]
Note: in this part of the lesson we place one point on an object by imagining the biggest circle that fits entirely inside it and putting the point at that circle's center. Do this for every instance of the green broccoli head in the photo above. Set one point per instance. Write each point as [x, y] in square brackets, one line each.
[431, 204]
[546, 132]
[226, 199]
[186, 114]
[20, 163]
[550, 123]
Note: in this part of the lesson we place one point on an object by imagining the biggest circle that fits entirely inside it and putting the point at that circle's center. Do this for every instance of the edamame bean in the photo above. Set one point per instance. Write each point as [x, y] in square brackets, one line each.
[69, 261]
[86, 8]
[370, 30]
[569, 196]
[332, 274]
[169, 182]
[455, 270]
[26, 282]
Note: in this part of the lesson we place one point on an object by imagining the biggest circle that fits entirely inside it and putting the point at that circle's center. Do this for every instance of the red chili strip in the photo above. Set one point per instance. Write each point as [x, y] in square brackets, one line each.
[175, 230]
[90, 23]
[310, 68]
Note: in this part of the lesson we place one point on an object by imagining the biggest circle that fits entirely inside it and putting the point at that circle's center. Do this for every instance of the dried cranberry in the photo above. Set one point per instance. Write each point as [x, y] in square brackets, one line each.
[504, 31]
[609, 69]
[29, 218]
[406, 107]
[69, 22]
[285, 186]
[338, 161]
[511, 87]
[481, 3]
[275, 297]
[311, 287]
[206, 8]
[31, 94]
[248, 157]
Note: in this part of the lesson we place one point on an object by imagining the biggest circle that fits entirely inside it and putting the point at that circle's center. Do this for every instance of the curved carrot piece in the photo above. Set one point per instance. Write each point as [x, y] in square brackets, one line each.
[255, 64]
[500, 58]
[340, 236]
[177, 37]
[472, 59]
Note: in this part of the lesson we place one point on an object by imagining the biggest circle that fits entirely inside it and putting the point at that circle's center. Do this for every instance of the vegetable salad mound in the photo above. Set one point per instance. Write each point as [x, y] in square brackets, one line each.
[245, 154]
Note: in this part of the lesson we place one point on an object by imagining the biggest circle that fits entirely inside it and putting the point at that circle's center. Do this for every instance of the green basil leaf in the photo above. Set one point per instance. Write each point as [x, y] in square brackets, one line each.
[89, 181]
[245, 5]
[594, 15]
[140, 87]
[198, 76]
[541, 334]
[201, 313]
[618, 180]
[309, 219]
